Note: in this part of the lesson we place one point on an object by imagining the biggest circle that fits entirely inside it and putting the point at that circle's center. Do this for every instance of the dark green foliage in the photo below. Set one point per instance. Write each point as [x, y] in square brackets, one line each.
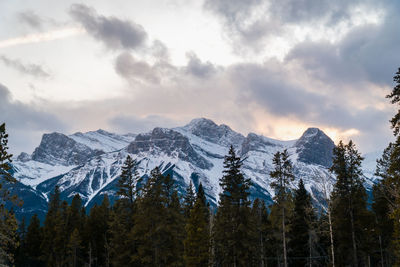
[351, 219]
[197, 242]
[283, 176]
[8, 225]
[158, 223]
[395, 99]
[188, 200]
[232, 231]
[262, 235]
[302, 233]
[128, 179]
[97, 228]
[33, 241]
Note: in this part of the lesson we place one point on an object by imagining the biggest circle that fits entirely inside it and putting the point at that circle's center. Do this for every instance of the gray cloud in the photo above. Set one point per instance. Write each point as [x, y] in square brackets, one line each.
[198, 68]
[132, 69]
[113, 32]
[29, 69]
[366, 54]
[251, 22]
[25, 123]
[275, 89]
[31, 19]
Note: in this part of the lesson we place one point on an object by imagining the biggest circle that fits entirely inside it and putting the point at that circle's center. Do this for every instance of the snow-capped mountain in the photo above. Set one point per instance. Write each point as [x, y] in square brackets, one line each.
[90, 163]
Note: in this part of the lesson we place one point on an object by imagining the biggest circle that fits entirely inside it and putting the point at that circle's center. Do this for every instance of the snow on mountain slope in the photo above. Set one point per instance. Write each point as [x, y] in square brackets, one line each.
[194, 152]
[103, 140]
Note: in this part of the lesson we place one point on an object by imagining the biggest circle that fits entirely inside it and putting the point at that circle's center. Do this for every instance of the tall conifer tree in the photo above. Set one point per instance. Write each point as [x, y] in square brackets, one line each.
[231, 228]
[302, 224]
[349, 206]
[283, 176]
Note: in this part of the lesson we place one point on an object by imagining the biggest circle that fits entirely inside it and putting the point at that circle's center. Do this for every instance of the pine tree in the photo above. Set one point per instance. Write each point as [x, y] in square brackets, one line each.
[8, 227]
[33, 241]
[349, 206]
[189, 199]
[391, 169]
[302, 224]
[51, 227]
[262, 234]
[394, 97]
[158, 223]
[283, 176]
[119, 227]
[128, 179]
[74, 246]
[197, 242]
[231, 228]
[97, 228]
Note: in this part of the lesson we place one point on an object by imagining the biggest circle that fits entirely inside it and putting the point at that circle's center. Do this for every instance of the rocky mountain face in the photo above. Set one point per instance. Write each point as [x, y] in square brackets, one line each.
[59, 149]
[315, 147]
[89, 164]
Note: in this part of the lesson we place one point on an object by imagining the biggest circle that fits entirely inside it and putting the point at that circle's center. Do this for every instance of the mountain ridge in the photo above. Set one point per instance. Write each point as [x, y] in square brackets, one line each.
[193, 152]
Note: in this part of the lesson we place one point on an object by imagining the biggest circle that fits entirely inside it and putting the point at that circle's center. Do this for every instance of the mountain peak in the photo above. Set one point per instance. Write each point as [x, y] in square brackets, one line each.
[200, 122]
[56, 148]
[210, 131]
[315, 147]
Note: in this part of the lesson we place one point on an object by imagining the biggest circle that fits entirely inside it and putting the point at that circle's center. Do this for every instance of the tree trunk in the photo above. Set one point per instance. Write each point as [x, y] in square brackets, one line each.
[309, 250]
[353, 238]
[331, 237]
[380, 247]
[284, 238]
[90, 255]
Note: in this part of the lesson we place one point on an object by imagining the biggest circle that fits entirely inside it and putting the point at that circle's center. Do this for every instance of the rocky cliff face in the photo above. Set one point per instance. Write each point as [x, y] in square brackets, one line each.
[315, 147]
[59, 149]
[210, 131]
[167, 142]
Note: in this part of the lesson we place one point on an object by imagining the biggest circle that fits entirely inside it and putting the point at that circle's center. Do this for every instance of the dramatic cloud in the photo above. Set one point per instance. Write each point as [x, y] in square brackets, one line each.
[293, 64]
[367, 53]
[112, 31]
[29, 69]
[250, 23]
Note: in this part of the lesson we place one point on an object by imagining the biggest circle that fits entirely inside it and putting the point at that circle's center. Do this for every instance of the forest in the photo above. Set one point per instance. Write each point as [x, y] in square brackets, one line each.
[153, 225]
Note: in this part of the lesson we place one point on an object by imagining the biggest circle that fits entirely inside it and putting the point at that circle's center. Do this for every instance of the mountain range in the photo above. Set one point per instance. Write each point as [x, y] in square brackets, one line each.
[89, 164]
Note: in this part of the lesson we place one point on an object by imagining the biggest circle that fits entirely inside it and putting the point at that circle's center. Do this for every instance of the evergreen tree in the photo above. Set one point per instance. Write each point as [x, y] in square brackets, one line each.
[51, 227]
[201, 194]
[283, 176]
[197, 242]
[74, 246]
[128, 179]
[8, 227]
[302, 228]
[158, 223]
[262, 234]
[392, 170]
[119, 227]
[189, 199]
[33, 242]
[231, 228]
[97, 228]
[394, 97]
[349, 206]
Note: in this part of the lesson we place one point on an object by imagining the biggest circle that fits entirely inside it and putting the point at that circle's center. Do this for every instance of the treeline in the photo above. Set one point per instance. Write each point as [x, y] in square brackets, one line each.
[153, 225]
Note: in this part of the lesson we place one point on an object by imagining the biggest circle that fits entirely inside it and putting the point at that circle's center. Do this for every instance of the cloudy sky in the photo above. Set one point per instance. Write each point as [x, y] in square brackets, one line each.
[273, 67]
